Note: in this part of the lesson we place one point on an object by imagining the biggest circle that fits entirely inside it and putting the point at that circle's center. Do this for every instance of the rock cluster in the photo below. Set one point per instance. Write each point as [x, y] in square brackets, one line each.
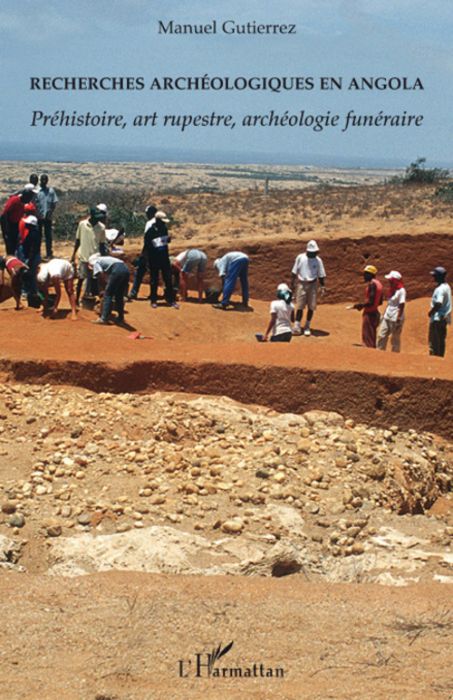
[75, 461]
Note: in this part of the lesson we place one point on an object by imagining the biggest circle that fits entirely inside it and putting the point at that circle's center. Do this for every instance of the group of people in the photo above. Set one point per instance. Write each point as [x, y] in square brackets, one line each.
[101, 271]
[376, 331]
[308, 277]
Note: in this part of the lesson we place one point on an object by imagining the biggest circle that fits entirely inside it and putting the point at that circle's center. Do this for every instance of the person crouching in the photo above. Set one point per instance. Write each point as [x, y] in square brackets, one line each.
[114, 274]
[282, 316]
[16, 269]
[52, 274]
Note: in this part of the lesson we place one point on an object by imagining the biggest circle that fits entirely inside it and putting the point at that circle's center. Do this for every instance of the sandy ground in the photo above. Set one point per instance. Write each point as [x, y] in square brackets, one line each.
[121, 636]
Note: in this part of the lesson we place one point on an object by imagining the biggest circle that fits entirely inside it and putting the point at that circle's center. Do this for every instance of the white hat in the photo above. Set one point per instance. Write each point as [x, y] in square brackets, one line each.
[31, 220]
[393, 275]
[162, 216]
[312, 247]
[111, 234]
[283, 287]
[92, 259]
[102, 207]
[43, 273]
[30, 188]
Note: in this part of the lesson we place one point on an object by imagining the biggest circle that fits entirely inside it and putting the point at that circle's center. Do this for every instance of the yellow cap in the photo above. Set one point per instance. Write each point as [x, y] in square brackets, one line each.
[371, 269]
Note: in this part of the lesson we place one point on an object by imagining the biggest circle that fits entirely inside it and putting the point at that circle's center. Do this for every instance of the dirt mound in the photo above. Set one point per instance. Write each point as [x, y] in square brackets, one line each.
[162, 483]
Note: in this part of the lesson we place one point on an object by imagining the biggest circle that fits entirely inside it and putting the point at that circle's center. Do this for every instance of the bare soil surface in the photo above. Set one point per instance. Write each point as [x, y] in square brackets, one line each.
[120, 636]
[204, 350]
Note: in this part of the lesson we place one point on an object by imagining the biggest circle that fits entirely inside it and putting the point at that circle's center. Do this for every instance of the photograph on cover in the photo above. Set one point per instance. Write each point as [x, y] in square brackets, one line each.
[187, 509]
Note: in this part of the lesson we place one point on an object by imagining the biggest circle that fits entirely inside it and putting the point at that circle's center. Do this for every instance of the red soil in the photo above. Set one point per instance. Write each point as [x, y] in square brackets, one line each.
[204, 350]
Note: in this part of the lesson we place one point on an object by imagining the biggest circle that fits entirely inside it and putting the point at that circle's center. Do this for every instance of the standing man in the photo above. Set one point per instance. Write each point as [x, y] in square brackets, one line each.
[90, 239]
[115, 276]
[30, 255]
[231, 267]
[393, 319]
[155, 250]
[140, 262]
[12, 213]
[307, 270]
[440, 312]
[370, 312]
[46, 201]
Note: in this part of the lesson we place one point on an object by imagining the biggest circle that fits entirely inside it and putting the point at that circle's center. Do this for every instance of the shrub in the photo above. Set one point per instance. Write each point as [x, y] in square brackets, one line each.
[445, 193]
[417, 174]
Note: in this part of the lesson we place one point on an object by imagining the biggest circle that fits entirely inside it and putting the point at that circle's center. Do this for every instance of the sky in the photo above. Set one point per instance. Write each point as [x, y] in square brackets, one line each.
[335, 38]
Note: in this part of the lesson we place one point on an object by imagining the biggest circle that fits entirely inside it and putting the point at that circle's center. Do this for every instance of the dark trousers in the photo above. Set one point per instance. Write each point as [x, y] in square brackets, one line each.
[156, 265]
[437, 338]
[282, 337]
[45, 226]
[115, 290]
[139, 274]
[10, 233]
[370, 323]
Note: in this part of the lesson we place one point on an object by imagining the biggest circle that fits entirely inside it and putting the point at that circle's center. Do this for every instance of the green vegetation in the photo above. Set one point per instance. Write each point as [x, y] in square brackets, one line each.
[126, 208]
[445, 193]
[417, 174]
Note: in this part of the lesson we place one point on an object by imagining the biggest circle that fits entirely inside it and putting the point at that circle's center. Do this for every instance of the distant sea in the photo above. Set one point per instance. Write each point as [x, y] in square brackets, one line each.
[81, 153]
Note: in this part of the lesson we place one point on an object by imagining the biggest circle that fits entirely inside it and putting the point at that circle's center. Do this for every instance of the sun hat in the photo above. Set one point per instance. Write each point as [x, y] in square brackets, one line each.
[111, 234]
[393, 275]
[312, 247]
[102, 207]
[30, 188]
[371, 269]
[31, 220]
[283, 287]
[439, 271]
[162, 216]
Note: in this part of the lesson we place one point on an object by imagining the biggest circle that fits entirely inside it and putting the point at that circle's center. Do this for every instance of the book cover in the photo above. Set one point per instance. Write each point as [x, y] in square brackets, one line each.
[187, 512]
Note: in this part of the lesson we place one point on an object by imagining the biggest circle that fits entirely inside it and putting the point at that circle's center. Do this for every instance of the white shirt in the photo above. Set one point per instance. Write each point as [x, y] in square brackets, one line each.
[308, 269]
[442, 296]
[225, 262]
[105, 264]
[181, 257]
[283, 320]
[60, 268]
[391, 312]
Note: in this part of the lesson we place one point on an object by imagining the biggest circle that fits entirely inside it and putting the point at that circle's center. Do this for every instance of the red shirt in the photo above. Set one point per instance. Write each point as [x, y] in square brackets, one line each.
[23, 230]
[378, 293]
[14, 209]
[13, 265]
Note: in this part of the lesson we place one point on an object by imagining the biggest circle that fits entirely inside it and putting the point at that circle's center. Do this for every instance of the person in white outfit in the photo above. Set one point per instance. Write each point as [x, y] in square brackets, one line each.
[308, 269]
[52, 274]
[282, 316]
[393, 318]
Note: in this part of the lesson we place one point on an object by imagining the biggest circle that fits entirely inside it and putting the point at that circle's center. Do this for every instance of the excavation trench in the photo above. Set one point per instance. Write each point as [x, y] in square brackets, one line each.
[409, 402]
[344, 258]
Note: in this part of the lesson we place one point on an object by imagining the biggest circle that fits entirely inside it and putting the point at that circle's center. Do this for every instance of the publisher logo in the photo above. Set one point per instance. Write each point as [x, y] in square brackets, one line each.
[213, 664]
